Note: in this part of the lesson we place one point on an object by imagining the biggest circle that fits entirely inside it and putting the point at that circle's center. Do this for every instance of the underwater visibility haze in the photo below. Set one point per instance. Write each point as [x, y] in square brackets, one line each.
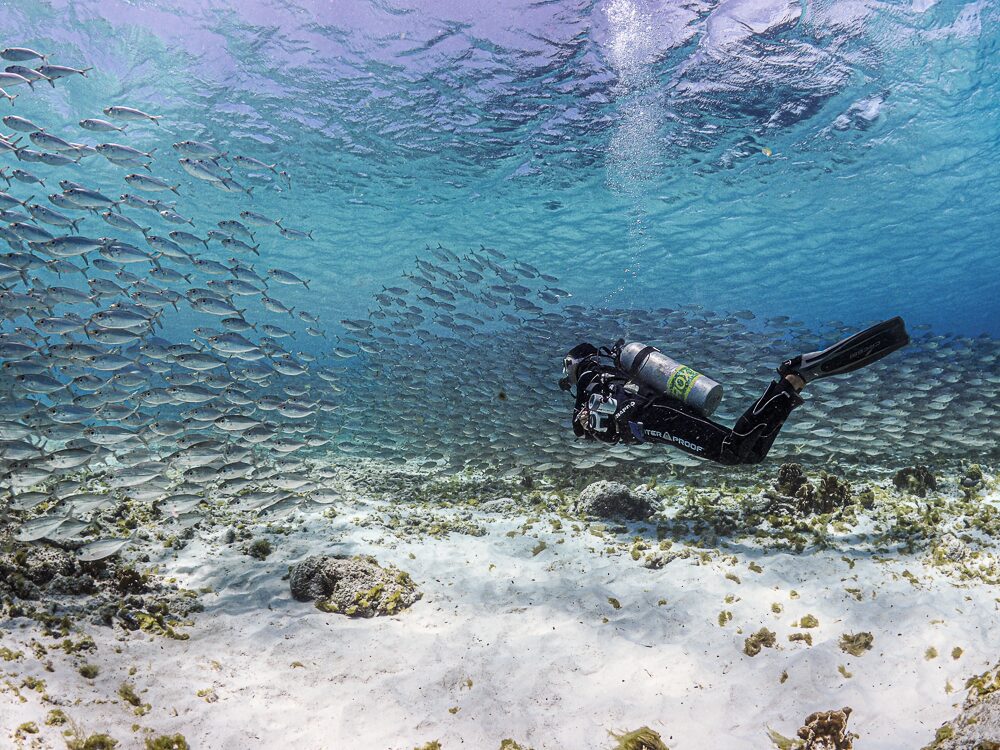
[244, 243]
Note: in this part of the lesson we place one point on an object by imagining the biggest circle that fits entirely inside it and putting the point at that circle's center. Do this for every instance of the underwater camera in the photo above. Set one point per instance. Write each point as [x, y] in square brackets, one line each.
[652, 368]
[600, 410]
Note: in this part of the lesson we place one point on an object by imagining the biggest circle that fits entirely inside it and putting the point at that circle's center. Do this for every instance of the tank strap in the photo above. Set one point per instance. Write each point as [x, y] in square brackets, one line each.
[640, 360]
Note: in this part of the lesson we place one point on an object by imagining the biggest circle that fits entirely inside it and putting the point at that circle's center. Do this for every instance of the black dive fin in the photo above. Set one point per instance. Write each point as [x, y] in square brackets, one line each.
[851, 354]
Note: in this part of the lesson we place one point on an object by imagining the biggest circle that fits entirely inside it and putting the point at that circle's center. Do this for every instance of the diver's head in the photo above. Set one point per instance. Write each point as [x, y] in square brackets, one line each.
[572, 361]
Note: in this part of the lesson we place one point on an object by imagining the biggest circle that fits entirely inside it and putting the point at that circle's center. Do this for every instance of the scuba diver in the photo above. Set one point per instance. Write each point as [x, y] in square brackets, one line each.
[643, 396]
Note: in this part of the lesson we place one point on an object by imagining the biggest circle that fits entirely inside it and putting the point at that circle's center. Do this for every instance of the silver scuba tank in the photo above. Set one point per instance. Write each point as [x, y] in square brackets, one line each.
[657, 371]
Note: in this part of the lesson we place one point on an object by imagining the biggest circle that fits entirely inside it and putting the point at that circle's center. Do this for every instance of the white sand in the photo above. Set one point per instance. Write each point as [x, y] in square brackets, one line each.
[545, 668]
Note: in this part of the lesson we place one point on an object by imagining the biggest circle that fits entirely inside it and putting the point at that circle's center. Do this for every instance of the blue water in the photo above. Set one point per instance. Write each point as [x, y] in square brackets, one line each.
[622, 146]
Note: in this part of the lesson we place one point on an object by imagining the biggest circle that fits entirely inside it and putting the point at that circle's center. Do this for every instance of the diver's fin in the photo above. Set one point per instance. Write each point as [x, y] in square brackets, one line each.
[851, 354]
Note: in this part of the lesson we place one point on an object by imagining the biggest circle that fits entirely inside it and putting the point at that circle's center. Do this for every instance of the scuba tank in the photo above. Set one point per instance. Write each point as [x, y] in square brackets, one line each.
[652, 368]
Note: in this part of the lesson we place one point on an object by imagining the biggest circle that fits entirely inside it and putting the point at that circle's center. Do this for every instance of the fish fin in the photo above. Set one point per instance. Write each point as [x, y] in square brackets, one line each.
[305, 283]
[145, 231]
[272, 167]
[52, 83]
[309, 234]
[151, 152]
[83, 71]
[249, 190]
[31, 85]
[147, 168]
[26, 200]
[278, 222]
[255, 250]
[175, 190]
[155, 119]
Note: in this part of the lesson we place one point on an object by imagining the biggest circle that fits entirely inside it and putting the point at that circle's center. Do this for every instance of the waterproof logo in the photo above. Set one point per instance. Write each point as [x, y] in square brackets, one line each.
[674, 439]
[681, 382]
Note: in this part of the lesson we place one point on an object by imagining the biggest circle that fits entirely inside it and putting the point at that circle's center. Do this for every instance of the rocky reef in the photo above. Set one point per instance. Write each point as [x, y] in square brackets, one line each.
[50, 584]
[977, 727]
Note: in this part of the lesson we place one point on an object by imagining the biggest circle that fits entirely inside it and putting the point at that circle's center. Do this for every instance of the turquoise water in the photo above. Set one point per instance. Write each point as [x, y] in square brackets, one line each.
[826, 164]
[615, 144]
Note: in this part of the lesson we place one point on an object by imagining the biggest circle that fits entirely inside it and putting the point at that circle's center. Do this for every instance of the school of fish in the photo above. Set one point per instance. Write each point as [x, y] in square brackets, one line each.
[141, 357]
[464, 356]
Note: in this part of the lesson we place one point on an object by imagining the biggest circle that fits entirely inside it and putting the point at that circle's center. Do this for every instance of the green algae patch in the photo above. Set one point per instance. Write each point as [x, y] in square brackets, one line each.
[156, 624]
[93, 742]
[856, 644]
[956, 653]
[985, 684]
[432, 745]
[538, 548]
[260, 549]
[167, 742]
[930, 653]
[127, 693]
[782, 742]
[89, 671]
[56, 718]
[642, 738]
[7, 655]
[28, 727]
[803, 637]
[763, 638]
[808, 621]
[614, 602]
[509, 744]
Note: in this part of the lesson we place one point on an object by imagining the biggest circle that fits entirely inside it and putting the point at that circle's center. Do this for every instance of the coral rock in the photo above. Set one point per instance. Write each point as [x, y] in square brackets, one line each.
[615, 500]
[916, 480]
[827, 730]
[353, 586]
[790, 479]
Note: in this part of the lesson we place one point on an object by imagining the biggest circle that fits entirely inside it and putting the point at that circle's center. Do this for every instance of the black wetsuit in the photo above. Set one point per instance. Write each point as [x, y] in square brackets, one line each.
[654, 418]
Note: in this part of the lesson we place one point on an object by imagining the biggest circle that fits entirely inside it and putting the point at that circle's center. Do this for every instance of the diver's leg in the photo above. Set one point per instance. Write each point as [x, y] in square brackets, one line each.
[675, 423]
[755, 431]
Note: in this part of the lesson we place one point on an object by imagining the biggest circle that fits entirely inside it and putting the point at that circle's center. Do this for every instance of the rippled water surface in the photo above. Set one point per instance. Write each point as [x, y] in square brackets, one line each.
[619, 144]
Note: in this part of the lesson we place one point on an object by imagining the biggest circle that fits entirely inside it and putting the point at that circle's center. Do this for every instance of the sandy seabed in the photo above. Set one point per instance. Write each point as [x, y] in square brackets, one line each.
[552, 645]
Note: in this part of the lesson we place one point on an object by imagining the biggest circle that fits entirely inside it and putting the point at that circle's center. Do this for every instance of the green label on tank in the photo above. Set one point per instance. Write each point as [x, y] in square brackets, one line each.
[681, 382]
